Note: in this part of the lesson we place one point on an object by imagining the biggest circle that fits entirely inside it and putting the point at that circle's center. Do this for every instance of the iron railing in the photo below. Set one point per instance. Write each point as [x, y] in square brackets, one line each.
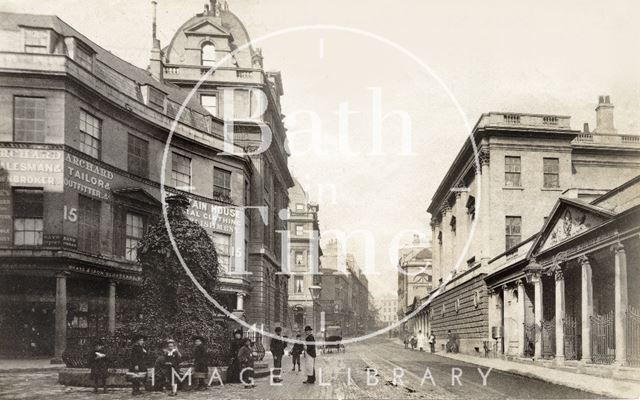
[529, 339]
[603, 338]
[633, 336]
[572, 338]
[548, 338]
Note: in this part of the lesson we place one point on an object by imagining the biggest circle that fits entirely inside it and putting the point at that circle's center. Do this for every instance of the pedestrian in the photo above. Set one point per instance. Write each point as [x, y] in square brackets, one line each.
[246, 362]
[99, 364]
[310, 356]
[277, 346]
[420, 341]
[200, 362]
[432, 342]
[137, 363]
[172, 359]
[233, 372]
[296, 351]
[414, 342]
[406, 341]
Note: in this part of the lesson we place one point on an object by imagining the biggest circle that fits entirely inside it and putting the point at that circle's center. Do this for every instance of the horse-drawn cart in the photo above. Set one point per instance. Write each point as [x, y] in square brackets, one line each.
[333, 339]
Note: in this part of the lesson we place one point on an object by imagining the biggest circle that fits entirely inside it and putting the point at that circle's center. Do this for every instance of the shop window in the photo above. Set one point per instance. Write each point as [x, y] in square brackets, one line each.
[221, 181]
[28, 213]
[181, 172]
[208, 55]
[134, 233]
[90, 134]
[138, 156]
[88, 225]
[512, 231]
[512, 171]
[36, 41]
[551, 171]
[29, 119]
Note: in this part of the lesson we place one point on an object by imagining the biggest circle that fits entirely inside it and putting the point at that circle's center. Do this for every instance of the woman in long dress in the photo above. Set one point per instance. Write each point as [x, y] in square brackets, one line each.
[233, 372]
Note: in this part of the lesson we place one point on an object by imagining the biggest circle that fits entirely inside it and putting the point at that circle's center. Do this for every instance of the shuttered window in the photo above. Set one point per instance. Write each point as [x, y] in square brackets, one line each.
[88, 225]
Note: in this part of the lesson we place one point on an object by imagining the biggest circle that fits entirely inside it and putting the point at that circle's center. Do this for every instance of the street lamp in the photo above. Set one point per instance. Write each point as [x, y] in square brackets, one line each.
[315, 291]
[533, 270]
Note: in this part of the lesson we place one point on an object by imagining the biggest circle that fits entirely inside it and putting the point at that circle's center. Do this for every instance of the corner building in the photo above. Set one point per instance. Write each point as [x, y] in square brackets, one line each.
[81, 145]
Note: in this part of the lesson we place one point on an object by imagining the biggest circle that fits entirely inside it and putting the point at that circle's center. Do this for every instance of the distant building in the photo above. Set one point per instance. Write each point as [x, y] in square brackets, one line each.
[415, 279]
[305, 254]
[387, 307]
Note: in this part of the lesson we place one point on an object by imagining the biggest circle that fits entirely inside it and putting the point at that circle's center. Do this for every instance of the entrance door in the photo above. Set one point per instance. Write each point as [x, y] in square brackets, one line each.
[27, 329]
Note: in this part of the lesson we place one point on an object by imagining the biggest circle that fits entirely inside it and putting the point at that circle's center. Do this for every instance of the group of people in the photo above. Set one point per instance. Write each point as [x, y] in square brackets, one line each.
[167, 364]
[418, 342]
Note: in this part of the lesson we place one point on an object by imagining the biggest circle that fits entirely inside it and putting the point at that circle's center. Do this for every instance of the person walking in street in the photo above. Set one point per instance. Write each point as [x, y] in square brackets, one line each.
[414, 342]
[200, 362]
[99, 364]
[310, 356]
[420, 341]
[246, 362]
[432, 342]
[277, 346]
[233, 372]
[138, 363]
[296, 351]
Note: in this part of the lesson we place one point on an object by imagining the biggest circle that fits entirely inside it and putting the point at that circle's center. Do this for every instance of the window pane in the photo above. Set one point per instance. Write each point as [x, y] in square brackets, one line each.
[90, 134]
[210, 103]
[208, 55]
[29, 119]
[181, 171]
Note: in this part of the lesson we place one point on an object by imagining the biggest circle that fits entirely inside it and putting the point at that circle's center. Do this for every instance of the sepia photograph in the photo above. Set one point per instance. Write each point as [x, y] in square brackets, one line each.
[338, 199]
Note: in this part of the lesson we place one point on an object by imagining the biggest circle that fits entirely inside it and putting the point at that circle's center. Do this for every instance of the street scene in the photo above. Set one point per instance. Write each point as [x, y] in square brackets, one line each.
[286, 200]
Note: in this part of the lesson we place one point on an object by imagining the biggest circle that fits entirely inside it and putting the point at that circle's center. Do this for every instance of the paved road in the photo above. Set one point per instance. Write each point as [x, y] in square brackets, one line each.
[364, 371]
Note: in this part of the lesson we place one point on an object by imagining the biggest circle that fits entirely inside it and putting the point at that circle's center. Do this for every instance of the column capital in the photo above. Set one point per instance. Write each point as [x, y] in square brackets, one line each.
[617, 247]
[584, 260]
[62, 274]
[558, 273]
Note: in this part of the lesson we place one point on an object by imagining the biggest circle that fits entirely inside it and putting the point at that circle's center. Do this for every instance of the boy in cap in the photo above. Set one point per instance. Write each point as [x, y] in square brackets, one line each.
[99, 364]
[277, 347]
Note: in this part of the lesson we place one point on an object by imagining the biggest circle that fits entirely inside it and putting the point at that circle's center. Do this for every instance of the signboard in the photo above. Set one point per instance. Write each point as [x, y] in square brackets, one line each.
[86, 177]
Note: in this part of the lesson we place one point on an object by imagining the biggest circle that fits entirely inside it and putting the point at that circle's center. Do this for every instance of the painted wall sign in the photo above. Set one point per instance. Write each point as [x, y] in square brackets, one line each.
[86, 177]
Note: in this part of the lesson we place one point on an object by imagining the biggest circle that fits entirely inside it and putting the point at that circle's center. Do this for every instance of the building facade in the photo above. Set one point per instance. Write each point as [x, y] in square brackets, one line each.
[82, 141]
[387, 307]
[519, 157]
[304, 261]
[415, 280]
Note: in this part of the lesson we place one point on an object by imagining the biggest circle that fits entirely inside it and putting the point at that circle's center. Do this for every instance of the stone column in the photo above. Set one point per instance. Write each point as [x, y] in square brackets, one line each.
[484, 228]
[560, 311]
[61, 317]
[538, 312]
[621, 303]
[112, 306]
[239, 301]
[587, 307]
[522, 305]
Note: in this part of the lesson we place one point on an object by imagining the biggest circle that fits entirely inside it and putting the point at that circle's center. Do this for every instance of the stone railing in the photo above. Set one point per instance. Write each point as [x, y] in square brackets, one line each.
[607, 140]
[519, 120]
[222, 74]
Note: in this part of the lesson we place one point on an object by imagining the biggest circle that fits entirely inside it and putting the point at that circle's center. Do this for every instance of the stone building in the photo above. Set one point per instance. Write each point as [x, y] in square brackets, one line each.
[83, 134]
[487, 205]
[387, 307]
[414, 276]
[304, 261]
[567, 293]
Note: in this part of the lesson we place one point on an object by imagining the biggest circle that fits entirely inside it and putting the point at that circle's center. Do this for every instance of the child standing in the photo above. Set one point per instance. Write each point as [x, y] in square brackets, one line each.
[245, 358]
[296, 351]
[99, 364]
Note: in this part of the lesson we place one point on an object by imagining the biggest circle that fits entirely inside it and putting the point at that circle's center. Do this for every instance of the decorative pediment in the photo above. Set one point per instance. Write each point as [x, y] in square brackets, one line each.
[136, 195]
[206, 28]
[569, 218]
[421, 278]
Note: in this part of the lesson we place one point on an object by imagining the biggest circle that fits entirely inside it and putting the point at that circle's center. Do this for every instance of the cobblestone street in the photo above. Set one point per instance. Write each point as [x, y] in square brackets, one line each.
[333, 381]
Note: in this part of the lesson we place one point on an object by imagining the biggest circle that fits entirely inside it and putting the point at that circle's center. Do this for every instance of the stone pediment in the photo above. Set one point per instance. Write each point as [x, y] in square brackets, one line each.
[421, 278]
[206, 28]
[568, 219]
[136, 195]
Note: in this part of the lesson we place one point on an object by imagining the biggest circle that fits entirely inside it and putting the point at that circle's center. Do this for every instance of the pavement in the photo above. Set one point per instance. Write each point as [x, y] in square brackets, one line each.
[28, 365]
[377, 369]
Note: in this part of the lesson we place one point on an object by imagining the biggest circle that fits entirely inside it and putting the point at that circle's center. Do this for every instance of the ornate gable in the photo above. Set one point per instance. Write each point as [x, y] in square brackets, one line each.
[421, 278]
[206, 28]
[568, 219]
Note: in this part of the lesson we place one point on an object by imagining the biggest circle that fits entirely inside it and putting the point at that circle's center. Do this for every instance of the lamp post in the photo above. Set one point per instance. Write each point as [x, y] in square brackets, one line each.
[315, 296]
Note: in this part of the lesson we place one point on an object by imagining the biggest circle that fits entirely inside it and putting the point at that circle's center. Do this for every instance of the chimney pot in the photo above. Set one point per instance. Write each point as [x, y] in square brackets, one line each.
[604, 116]
[585, 127]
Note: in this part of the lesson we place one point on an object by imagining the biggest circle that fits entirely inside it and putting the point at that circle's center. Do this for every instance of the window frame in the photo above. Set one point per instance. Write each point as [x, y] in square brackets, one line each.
[513, 171]
[86, 133]
[206, 62]
[88, 238]
[137, 164]
[25, 211]
[510, 236]
[224, 190]
[175, 174]
[131, 238]
[546, 173]
[298, 279]
[215, 103]
[34, 120]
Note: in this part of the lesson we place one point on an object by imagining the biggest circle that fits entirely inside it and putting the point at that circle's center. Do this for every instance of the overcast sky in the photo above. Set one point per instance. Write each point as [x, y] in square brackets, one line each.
[529, 56]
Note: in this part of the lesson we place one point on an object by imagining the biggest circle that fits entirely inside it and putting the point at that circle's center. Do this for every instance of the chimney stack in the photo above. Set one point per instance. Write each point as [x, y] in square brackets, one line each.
[155, 61]
[604, 116]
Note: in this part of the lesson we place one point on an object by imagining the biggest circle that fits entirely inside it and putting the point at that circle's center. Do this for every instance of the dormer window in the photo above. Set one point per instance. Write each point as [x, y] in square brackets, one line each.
[84, 58]
[208, 54]
[36, 41]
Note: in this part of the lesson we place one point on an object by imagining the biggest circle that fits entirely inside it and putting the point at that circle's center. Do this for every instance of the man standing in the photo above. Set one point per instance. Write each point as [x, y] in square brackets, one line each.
[310, 356]
[277, 347]
[138, 363]
[200, 362]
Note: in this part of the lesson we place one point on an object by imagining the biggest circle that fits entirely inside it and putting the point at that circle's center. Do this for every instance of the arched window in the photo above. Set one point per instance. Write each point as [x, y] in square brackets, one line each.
[208, 54]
